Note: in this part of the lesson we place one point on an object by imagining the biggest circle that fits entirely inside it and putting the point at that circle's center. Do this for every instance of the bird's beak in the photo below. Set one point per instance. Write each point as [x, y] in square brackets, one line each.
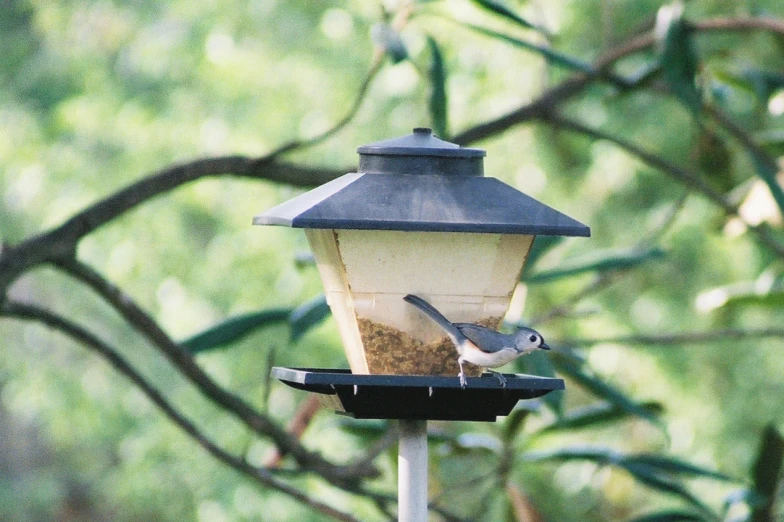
[544, 346]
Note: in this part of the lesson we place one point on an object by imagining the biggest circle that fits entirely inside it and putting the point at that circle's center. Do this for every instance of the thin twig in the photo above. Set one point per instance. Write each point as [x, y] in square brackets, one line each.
[260, 475]
[378, 60]
[681, 338]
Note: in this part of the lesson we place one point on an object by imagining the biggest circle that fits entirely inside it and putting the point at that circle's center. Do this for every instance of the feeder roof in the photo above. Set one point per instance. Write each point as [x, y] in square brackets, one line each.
[421, 183]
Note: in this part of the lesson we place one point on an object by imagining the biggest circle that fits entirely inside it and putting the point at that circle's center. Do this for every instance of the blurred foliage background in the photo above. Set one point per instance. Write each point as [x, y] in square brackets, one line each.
[667, 321]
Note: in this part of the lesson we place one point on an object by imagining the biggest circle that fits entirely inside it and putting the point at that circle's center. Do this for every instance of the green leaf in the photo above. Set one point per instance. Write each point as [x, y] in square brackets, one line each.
[653, 471]
[595, 414]
[668, 516]
[307, 316]
[234, 329]
[674, 466]
[768, 169]
[541, 245]
[603, 262]
[554, 57]
[766, 473]
[772, 141]
[504, 11]
[385, 36]
[438, 99]
[645, 476]
[514, 422]
[365, 428]
[764, 83]
[538, 363]
[602, 389]
[677, 56]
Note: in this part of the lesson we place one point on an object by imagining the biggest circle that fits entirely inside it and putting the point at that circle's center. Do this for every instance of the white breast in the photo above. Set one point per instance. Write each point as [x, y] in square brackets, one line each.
[476, 356]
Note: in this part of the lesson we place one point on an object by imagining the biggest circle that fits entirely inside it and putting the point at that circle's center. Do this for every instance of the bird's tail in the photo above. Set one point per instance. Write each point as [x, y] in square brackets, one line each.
[436, 316]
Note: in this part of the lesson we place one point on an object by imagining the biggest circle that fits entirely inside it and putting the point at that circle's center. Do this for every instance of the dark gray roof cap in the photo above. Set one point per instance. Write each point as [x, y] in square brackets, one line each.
[421, 142]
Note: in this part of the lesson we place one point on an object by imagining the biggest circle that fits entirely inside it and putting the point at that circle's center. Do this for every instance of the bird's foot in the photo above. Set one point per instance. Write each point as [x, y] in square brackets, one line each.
[500, 377]
[463, 382]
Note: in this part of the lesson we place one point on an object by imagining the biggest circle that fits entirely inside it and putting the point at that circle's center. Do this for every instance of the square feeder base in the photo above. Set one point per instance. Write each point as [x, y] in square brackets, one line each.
[421, 397]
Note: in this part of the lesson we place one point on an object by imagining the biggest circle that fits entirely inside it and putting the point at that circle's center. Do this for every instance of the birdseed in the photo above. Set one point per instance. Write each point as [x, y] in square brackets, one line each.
[389, 351]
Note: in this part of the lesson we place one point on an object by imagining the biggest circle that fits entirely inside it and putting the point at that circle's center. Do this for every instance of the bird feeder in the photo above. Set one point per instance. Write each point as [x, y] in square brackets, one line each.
[417, 217]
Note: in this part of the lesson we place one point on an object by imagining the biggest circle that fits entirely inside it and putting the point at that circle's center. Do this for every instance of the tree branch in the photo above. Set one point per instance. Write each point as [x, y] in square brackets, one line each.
[77, 333]
[577, 83]
[182, 360]
[775, 25]
[686, 177]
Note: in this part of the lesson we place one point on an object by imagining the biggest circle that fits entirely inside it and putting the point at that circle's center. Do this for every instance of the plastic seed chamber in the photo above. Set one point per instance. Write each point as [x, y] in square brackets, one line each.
[469, 277]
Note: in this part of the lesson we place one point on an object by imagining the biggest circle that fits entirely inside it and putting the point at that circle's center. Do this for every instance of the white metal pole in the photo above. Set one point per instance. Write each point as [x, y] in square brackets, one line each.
[412, 471]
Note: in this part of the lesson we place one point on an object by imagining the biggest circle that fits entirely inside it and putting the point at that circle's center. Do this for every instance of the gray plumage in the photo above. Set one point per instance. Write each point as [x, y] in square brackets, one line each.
[480, 345]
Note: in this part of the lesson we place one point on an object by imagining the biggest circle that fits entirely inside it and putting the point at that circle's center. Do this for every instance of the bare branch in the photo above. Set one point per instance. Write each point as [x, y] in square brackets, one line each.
[680, 174]
[775, 25]
[686, 177]
[260, 475]
[576, 84]
[61, 242]
[186, 364]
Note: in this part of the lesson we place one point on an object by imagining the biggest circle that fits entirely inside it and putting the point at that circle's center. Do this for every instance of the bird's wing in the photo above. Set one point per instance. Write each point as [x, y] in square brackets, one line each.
[487, 340]
[454, 334]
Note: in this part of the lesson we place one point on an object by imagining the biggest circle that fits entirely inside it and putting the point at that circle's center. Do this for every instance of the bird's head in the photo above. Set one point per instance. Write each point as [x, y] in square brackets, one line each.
[528, 340]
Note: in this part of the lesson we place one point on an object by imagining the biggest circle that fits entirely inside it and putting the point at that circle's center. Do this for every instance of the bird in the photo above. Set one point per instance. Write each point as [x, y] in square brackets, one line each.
[480, 345]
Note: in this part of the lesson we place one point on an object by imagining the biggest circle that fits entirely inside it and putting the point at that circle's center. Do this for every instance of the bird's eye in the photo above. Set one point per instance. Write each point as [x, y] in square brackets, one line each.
[532, 338]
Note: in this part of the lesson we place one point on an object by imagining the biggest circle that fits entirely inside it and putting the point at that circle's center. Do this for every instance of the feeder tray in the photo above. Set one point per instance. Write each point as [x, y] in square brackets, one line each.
[420, 397]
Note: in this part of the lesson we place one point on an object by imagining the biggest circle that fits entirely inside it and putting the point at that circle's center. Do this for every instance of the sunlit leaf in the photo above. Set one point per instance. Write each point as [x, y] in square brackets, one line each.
[438, 97]
[677, 56]
[615, 260]
[234, 329]
[552, 56]
[767, 290]
[506, 12]
[307, 316]
[766, 473]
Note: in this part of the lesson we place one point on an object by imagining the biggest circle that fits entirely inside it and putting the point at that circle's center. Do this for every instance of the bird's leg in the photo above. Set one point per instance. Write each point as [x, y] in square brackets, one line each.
[499, 376]
[463, 382]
